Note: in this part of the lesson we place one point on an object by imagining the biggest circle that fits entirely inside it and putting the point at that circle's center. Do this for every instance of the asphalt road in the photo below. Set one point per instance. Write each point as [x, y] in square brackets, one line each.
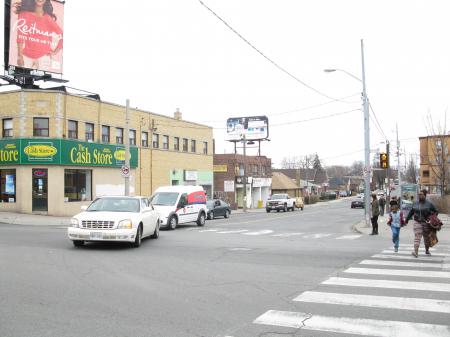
[254, 274]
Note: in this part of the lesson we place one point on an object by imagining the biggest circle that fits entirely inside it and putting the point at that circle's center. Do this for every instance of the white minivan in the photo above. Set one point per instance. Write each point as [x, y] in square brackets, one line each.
[180, 204]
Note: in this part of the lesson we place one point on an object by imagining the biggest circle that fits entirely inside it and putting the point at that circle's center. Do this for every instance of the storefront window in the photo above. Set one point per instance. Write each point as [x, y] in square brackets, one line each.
[8, 185]
[77, 185]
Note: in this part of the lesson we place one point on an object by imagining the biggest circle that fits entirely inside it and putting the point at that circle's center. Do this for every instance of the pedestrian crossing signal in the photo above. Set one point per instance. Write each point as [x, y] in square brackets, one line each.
[384, 160]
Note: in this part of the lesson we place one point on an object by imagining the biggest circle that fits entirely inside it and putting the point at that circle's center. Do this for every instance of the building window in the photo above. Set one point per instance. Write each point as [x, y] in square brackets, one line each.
[176, 143]
[155, 140]
[263, 170]
[105, 134]
[89, 131]
[185, 145]
[132, 137]
[255, 169]
[144, 139]
[193, 149]
[241, 170]
[119, 135]
[77, 185]
[40, 127]
[7, 128]
[205, 147]
[426, 174]
[165, 142]
[73, 129]
[8, 185]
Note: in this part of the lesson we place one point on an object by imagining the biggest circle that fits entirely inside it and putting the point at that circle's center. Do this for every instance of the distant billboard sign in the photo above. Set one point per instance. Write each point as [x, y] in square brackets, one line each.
[254, 128]
[36, 35]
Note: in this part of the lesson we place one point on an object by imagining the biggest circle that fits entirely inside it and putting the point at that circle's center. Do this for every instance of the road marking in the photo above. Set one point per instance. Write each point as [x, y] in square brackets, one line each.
[285, 235]
[233, 231]
[369, 283]
[316, 236]
[347, 325]
[407, 257]
[390, 302]
[403, 264]
[208, 230]
[408, 252]
[262, 232]
[239, 249]
[398, 272]
[348, 237]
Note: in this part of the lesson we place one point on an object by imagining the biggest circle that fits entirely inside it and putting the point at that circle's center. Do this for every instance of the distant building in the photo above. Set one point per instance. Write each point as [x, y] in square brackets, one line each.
[229, 179]
[281, 183]
[435, 163]
[311, 181]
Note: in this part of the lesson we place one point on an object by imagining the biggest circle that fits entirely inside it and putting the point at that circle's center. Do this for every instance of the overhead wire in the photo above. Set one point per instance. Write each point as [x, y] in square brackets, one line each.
[266, 57]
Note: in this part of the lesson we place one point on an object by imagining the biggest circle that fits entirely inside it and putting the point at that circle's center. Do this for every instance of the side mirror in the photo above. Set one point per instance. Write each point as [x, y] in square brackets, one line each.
[83, 208]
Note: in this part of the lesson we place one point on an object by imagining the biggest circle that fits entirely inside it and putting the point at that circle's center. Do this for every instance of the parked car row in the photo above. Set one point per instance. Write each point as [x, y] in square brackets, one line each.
[130, 219]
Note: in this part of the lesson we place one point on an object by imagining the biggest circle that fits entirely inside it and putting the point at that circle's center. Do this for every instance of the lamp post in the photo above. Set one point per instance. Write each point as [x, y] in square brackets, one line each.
[365, 103]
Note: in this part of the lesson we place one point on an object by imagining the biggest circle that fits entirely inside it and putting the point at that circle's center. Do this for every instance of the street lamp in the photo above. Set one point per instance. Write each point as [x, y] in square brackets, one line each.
[365, 102]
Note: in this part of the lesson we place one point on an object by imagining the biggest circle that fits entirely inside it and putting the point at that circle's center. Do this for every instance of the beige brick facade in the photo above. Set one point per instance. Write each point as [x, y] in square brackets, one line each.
[156, 166]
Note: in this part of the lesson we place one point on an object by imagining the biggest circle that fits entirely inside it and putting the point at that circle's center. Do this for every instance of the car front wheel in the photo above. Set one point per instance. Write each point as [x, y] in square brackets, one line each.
[138, 240]
[227, 214]
[155, 234]
[78, 243]
[172, 223]
[211, 215]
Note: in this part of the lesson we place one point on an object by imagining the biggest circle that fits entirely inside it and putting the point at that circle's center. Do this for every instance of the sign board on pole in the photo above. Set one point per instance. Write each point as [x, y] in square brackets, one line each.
[254, 128]
[125, 171]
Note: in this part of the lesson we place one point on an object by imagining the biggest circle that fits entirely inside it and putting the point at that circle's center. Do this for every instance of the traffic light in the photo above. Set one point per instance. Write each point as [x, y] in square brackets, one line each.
[384, 160]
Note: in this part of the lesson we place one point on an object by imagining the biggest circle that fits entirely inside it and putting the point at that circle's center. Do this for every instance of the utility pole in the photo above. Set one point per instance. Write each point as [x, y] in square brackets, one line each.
[127, 147]
[366, 141]
[244, 208]
[388, 173]
[398, 161]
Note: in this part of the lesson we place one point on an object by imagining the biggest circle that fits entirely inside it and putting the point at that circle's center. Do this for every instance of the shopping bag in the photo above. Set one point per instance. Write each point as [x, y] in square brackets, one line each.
[432, 238]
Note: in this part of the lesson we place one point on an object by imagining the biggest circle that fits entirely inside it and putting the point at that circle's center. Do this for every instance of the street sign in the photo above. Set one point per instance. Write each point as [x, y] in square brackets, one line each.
[125, 171]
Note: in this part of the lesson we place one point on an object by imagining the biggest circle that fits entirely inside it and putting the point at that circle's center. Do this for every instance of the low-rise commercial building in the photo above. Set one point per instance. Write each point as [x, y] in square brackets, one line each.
[229, 178]
[59, 151]
[435, 163]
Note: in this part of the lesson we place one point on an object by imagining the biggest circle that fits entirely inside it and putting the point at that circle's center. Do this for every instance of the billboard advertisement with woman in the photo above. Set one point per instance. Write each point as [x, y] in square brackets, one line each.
[36, 35]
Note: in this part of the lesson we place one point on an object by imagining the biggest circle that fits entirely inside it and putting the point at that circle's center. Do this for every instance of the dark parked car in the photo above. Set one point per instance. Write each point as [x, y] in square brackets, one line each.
[217, 207]
[357, 203]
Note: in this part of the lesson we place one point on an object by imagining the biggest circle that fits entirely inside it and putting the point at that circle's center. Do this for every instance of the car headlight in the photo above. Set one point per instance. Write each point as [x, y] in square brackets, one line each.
[74, 222]
[125, 224]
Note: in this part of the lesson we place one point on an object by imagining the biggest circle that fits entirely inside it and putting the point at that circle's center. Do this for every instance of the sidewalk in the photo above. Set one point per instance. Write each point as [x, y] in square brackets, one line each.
[33, 219]
[407, 232]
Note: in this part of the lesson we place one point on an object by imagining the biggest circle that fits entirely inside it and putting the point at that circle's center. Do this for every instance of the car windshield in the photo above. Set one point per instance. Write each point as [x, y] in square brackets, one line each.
[164, 198]
[278, 196]
[114, 205]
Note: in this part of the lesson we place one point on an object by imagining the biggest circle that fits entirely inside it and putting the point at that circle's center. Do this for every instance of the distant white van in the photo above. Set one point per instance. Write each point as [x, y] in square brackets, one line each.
[180, 204]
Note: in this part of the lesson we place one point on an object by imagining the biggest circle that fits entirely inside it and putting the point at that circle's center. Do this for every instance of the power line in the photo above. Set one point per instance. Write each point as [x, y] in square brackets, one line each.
[381, 129]
[266, 57]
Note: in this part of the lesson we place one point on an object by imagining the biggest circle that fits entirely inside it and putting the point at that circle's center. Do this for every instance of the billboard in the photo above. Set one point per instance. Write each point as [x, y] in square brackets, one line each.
[254, 128]
[36, 35]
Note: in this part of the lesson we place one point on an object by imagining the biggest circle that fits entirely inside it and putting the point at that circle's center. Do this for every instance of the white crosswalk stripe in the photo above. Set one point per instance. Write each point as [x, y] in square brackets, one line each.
[348, 237]
[346, 325]
[433, 281]
[418, 304]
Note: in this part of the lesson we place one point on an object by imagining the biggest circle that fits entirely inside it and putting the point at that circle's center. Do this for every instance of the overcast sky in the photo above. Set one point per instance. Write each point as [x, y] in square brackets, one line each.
[170, 54]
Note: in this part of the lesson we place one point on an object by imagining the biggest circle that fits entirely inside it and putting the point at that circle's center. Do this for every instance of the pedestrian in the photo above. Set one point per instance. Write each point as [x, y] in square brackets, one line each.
[382, 203]
[396, 221]
[375, 214]
[420, 212]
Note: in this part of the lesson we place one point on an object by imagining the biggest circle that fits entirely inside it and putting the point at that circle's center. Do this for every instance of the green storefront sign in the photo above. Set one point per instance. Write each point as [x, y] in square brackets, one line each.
[63, 152]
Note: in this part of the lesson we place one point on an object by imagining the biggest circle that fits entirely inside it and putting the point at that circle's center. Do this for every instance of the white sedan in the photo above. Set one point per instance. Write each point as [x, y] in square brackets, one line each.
[127, 219]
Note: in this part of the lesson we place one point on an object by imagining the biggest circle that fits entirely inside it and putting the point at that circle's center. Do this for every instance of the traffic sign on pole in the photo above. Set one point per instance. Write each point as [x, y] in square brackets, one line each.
[125, 171]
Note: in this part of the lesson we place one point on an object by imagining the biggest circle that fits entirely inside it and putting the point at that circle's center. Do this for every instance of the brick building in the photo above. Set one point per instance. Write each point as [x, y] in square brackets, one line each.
[435, 163]
[59, 151]
[229, 179]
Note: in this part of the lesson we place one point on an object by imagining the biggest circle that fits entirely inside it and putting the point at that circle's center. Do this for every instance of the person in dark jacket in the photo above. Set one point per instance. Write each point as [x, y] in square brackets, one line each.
[382, 203]
[420, 212]
[374, 215]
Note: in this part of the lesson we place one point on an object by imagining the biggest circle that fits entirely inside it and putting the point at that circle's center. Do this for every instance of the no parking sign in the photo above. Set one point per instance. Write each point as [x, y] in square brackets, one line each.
[125, 171]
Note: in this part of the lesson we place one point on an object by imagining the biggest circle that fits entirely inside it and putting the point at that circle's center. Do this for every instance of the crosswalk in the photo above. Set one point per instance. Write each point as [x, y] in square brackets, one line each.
[395, 283]
[273, 233]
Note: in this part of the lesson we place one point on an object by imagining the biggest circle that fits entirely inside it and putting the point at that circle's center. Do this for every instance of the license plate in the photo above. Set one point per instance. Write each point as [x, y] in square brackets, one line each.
[96, 235]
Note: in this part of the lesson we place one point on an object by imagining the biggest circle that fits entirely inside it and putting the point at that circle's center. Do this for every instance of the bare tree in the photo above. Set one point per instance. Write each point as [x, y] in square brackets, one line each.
[439, 161]
[357, 168]
[411, 171]
[338, 171]
[290, 162]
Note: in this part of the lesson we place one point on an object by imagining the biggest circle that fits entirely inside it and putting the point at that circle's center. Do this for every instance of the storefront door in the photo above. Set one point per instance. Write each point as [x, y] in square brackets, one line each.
[40, 188]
